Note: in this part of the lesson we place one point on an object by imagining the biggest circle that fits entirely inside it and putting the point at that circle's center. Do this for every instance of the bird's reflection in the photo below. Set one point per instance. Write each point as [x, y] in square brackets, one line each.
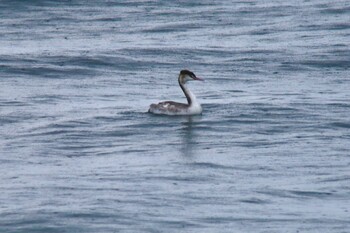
[189, 141]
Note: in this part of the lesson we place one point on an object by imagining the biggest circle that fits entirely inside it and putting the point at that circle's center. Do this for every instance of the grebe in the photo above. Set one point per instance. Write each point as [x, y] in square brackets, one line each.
[174, 108]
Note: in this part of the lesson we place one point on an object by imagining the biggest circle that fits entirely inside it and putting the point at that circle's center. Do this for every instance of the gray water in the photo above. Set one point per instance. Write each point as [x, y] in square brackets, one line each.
[80, 153]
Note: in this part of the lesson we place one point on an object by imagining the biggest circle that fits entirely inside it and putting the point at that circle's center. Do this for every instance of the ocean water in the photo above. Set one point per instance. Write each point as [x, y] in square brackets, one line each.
[80, 153]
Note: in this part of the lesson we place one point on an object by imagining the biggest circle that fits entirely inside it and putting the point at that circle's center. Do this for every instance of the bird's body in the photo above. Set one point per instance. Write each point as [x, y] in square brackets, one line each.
[173, 108]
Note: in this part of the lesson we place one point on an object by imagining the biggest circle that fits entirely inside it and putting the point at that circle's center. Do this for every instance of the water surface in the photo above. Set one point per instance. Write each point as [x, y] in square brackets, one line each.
[80, 153]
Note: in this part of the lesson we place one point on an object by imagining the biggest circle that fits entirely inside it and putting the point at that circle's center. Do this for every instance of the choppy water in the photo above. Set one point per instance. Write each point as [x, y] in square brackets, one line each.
[79, 153]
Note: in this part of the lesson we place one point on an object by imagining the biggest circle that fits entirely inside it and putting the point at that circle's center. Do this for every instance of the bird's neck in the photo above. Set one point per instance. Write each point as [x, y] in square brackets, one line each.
[191, 98]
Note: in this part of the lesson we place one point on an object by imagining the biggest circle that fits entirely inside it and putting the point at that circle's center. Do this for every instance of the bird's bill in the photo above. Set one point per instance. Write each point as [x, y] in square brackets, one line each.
[199, 79]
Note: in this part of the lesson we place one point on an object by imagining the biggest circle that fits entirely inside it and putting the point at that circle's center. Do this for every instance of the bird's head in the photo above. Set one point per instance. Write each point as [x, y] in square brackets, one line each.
[186, 75]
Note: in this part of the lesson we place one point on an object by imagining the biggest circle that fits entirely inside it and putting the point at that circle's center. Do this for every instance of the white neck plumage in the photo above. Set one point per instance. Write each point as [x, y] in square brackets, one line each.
[191, 98]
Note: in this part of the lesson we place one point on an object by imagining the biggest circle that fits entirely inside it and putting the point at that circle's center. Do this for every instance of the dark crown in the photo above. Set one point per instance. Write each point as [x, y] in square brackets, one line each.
[187, 72]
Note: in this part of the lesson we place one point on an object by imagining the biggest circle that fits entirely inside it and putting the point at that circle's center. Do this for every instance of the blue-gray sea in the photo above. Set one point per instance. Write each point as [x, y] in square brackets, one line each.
[80, 153]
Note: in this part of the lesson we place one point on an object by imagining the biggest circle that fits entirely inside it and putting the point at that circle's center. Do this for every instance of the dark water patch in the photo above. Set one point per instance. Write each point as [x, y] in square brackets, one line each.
[14, 60]
[226, 220]
[183, 27]
[54, 132]
[261, 143]
[253, 200]
[339, 52]
[47, 99]
[261, 52]
[263, 31]
[336, 10]
[325, 27]
[181, 178]
[206, 165]
[87, 215]
[193, 4]
[265, 11]
[235, 91]
[174, 52]
[29, 222]
[247, 61]
[87, 64]
[296, 194]
[131, 4]
[109, 119]
[311, 194]
[214, 166]
[336, 179]
[266, 111]
[120, 134]
[94, 61]
[275, 130]
[293, 66]
[13, 103]
[69, 129]
[277, 109]
[326, 64]
[232, 120]
[69, 124]
[345, 125]
[344, 106]
[341, 45]
[17, 117]
[228, 120]
[45, 71]
[176, 224]
[338, 26]
[134, 151]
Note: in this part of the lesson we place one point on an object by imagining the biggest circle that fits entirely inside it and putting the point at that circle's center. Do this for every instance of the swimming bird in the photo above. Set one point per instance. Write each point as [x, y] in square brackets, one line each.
[173, 108]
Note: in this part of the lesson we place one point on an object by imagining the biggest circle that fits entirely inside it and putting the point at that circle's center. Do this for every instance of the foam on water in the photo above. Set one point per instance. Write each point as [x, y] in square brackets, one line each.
[80, 153]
